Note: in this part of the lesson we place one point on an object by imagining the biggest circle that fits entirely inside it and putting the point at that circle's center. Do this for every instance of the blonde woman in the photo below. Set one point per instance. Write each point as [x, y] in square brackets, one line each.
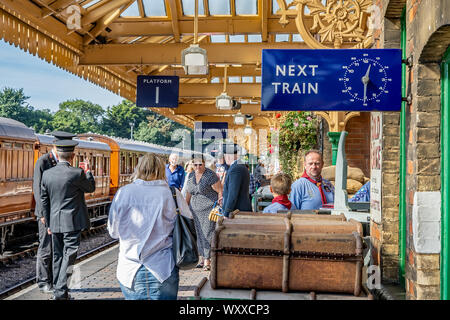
[142, 217]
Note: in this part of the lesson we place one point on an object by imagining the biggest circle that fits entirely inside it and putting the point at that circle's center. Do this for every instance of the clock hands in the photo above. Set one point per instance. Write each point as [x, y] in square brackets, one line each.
[365, 81]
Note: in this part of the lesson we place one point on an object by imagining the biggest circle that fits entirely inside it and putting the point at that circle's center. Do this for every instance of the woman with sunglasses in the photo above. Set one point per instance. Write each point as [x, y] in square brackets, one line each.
[204, 190]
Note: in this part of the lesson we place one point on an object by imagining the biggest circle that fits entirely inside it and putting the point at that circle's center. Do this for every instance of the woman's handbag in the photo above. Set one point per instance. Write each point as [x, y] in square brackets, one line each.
[215, 213]
[184, 240]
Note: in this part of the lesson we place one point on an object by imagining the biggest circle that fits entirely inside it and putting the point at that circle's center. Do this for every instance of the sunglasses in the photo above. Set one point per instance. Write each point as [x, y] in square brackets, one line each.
[198, 164]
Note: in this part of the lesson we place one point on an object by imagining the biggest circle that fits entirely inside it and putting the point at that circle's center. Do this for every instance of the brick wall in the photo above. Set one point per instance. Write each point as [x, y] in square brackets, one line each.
[427, 39]
[357, 143]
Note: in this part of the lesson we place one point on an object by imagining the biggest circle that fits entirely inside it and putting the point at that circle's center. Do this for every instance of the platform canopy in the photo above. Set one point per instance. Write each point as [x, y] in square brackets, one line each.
[111, 42]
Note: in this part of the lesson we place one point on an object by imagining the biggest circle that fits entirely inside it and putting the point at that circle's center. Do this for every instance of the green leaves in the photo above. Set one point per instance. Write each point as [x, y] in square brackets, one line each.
[298, 133]
[13, 105]
[80, 116]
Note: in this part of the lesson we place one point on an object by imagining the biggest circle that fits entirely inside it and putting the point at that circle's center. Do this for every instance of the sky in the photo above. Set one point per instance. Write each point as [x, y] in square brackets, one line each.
[45, 84]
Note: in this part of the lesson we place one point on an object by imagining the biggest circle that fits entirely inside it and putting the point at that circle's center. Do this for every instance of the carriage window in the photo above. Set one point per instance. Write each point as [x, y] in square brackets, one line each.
[123, 164]
[8, 164]
[13, 164]
[94, 166]
[2, 165]
[18, 145]
[26, 167]
[7, 145]
[105, 166]
[19, 164]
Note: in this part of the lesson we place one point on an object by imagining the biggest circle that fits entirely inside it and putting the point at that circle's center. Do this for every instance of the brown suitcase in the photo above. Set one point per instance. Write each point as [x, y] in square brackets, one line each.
[271, 253]
[326, 262]
[250, 254]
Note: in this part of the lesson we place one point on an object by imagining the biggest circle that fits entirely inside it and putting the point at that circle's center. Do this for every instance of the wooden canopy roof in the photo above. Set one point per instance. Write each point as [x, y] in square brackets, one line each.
[110, 42]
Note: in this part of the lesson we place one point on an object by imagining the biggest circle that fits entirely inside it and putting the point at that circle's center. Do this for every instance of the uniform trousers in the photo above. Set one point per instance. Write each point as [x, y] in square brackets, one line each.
[44, 257]
[65, 249]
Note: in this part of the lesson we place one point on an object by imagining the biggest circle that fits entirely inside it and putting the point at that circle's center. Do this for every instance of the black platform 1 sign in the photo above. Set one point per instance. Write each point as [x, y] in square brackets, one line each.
[157, 91]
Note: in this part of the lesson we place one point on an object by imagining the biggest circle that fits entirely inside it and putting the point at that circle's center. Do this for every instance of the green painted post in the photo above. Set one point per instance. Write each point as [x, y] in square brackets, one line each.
[334, 139]
[445, 176]
[402, 184]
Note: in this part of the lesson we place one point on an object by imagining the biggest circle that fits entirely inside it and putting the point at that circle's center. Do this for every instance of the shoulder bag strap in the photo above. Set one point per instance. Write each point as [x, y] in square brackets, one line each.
[174, 195]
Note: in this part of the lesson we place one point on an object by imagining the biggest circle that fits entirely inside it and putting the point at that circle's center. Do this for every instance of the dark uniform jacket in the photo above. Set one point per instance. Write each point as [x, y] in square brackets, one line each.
[235, 189]
[45, 162]
[62, 196]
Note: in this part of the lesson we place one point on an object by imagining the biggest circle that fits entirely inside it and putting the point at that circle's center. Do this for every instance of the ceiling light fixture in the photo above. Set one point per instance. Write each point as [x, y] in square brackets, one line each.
[194, 58]
[224, 101]
[239, 119]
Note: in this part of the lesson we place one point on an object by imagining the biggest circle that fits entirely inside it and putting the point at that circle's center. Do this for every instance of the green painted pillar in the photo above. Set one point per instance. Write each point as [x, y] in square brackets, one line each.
[402, 182]
[334, 139]
[445, 177]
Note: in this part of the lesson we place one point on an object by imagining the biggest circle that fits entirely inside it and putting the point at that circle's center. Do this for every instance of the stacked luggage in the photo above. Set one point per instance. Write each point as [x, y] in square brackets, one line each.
[288, 252]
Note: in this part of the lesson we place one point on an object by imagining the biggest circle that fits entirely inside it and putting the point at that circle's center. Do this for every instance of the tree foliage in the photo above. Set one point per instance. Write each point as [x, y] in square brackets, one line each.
[159, 130]
[118, 119]
[78, 116]
[13, 105]
[298, 133]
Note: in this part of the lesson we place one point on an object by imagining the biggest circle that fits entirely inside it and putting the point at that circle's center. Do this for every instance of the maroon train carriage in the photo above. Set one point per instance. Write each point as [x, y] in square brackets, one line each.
[99, 156]
[17, 143]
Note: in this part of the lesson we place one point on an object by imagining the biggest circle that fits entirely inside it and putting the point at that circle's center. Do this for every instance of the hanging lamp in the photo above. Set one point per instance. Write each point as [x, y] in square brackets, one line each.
[194, 59]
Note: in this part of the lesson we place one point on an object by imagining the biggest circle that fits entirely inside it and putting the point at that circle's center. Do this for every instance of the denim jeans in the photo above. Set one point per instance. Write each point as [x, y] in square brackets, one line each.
[147, 287]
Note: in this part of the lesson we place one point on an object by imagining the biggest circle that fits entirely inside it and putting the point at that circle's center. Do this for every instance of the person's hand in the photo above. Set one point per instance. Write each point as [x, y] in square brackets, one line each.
[87, 166]
[48, 231]
[42, 220]
[220, 201]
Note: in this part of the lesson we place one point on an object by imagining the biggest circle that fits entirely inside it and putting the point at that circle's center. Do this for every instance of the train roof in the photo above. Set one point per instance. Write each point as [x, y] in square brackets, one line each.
[10, 128]
[85, 144]
[133, 145]
[140, 146]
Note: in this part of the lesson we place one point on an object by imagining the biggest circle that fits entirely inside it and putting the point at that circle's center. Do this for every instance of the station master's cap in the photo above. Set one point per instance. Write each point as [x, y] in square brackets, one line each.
[62, 135]
[65, 145]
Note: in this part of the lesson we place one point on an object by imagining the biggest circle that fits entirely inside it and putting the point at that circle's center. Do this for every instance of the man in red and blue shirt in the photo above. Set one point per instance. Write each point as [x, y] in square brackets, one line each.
[311, 191]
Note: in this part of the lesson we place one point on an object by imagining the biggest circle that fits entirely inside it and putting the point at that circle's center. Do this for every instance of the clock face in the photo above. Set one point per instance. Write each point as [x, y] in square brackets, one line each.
[365, 79]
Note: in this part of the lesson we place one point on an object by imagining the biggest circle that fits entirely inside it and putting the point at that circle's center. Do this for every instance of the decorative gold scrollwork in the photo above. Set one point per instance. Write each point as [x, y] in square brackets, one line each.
[336, 23]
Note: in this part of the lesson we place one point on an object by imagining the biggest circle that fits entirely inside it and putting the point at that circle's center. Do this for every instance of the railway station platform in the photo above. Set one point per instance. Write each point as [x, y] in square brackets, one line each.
[95, 279]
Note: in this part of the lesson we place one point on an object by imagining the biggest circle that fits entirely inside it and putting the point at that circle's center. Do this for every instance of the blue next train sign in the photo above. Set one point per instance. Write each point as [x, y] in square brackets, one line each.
[331, 80]
[157, 91]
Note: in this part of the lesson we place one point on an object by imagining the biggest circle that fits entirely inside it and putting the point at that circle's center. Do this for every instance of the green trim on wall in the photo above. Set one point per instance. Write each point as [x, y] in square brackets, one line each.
[402, 182]
[445, 176]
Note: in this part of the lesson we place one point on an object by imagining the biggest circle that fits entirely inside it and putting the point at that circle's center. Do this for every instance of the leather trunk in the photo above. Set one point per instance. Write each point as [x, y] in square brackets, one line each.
[287, 252]
[326, 262]
[249, 253]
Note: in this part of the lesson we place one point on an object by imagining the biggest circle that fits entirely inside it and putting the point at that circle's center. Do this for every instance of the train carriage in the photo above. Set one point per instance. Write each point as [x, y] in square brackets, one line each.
[17, 142]
[125, 156]
[99, 156]
[112, 161]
